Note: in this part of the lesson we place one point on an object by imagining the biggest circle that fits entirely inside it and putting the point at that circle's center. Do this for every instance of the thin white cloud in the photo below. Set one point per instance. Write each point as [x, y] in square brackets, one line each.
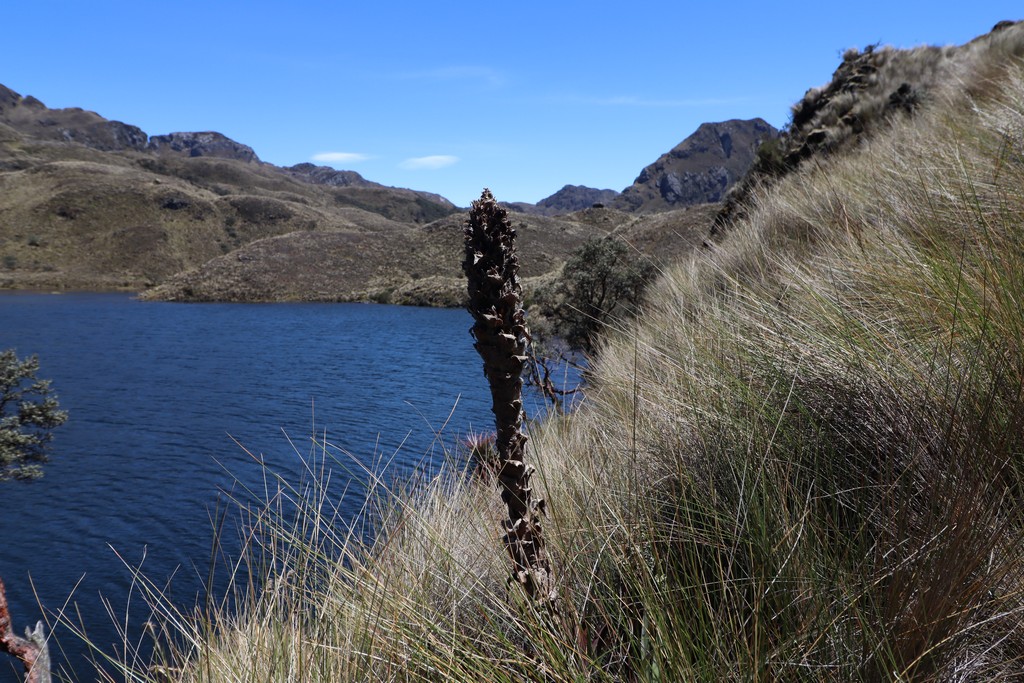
[632, 101]
[429, 163]
[487, 75]
[340, 157]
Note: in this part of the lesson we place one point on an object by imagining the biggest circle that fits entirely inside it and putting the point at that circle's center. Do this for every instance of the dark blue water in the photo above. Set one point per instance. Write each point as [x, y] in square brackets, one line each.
[157, 392]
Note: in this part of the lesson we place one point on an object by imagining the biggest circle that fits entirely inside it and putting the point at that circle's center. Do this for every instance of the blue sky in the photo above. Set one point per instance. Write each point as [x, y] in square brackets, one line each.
[451, 97]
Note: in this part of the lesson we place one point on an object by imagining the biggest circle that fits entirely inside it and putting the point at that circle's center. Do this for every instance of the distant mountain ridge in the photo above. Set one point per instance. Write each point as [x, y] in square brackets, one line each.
[567, 200]
[325, 175]
[700, 169]
[90, 203]
[29, 117]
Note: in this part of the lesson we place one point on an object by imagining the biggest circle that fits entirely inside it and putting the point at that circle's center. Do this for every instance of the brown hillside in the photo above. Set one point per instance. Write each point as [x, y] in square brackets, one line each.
[91, 203]
[96, 204]
[419, 265]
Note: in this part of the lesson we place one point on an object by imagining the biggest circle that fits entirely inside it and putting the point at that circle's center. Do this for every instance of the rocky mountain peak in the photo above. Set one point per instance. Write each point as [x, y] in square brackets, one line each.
[204, 144]
[325, 175]
[33, 119]
[700, 169]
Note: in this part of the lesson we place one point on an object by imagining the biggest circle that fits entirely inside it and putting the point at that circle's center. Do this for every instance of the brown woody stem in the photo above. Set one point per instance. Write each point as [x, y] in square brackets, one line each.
[32, 651]
[495, 302]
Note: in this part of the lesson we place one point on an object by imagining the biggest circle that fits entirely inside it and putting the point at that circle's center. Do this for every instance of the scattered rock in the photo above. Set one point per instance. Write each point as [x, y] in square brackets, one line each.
[206, 144]
[567, 200]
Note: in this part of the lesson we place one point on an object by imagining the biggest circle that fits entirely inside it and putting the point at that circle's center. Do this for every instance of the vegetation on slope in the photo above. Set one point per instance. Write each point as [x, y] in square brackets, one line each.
[602, 282]
[869, 91]
[801, 463]
[91, 203]
[74, 217]
[353, 264]
[96, 204]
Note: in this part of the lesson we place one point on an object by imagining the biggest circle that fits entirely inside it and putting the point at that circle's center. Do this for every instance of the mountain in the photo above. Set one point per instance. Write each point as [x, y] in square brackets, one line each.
[86, 202]
[698, 170]
[570, 198]
[90, 203]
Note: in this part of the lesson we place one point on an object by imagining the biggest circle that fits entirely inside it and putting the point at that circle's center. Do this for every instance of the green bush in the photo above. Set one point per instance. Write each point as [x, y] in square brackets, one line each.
[28, 413]
[601, 282]
[771, 158]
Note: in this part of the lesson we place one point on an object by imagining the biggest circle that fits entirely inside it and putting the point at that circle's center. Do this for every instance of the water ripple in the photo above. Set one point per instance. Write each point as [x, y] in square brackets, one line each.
[154, 391]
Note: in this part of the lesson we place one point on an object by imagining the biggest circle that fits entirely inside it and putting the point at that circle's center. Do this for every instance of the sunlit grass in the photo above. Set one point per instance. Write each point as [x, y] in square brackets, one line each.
[803, 462]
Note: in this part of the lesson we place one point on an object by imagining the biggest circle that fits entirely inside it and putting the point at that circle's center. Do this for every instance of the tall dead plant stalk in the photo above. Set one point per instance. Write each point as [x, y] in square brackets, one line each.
[495, 302]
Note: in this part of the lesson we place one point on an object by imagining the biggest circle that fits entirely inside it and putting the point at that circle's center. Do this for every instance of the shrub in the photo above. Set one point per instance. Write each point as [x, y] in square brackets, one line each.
[28, 413]
[601, 282]
[771, 158]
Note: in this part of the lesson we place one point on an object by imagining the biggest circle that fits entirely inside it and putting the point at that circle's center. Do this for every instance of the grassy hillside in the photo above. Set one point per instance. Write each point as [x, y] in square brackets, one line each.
[91, 203]
[869, 90]
[73, 217]
[803, 462]
[87, 203]
[418, 265]
[207, 228]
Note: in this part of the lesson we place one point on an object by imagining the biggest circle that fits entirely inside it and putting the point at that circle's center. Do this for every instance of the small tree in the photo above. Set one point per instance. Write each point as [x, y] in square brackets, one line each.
[602, 281]
[28, 412]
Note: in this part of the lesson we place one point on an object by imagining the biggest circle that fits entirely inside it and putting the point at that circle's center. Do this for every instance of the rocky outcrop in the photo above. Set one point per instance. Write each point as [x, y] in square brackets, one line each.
[869, 90]
[700, 169]
[567, 200]
[325, 175]
[33, 119]
[205, 144]
[695, 188]
[8, 98]
[106, 136]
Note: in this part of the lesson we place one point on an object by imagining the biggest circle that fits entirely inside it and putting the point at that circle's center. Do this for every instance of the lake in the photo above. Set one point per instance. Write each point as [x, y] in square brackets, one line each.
[157, 396]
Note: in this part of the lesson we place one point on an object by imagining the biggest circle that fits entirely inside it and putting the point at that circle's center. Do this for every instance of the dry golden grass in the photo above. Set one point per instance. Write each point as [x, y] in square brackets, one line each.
[803, 462]
[72, 216]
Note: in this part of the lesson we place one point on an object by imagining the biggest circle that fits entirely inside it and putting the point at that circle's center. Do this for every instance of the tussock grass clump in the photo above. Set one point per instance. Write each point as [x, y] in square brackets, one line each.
[801, 462]
[831, 402]
[869, 91]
